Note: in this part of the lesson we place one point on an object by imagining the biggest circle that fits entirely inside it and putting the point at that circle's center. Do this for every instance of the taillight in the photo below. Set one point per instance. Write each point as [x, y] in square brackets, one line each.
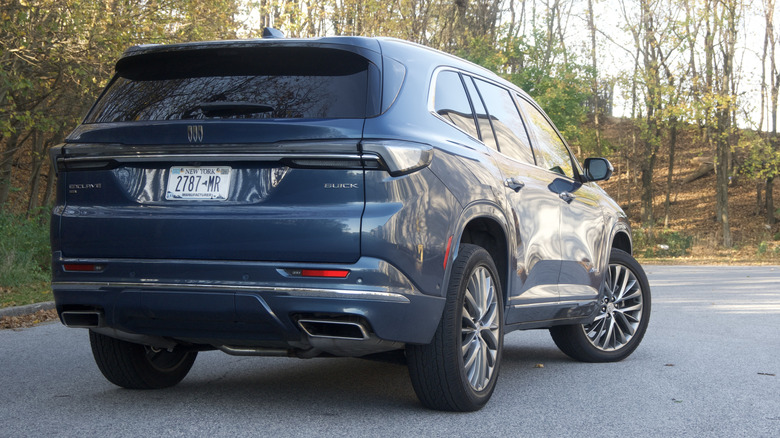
[328, 273]
[318, 273]
[82, 267]
[400, 157]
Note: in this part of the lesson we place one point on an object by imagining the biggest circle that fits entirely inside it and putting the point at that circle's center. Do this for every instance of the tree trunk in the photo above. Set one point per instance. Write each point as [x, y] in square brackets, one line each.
[724, 112]
[595, 84]
[722, 176]
[37, 155]
[6, 168]
[653, 103]
[670, 173]
[770, 202]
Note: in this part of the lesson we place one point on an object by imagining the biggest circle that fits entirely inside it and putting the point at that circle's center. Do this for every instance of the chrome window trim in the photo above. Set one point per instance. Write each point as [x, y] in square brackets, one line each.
[432, 97]
[575, 163]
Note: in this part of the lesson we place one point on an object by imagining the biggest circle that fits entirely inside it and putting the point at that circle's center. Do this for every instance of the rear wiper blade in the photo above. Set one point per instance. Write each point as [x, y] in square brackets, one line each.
[210, 109]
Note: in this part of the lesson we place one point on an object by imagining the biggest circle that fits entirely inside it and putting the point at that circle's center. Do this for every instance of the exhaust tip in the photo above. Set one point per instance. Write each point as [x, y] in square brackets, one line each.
[82, 318]
[334, 329]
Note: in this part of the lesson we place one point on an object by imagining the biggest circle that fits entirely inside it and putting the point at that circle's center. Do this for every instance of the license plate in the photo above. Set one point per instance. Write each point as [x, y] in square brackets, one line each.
[198, 183]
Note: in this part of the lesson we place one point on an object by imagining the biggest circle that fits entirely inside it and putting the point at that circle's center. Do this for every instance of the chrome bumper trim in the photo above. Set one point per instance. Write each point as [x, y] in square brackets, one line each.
[287, 291]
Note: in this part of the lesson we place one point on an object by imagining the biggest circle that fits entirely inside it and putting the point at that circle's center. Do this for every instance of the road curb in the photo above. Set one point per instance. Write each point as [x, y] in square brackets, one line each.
[26, 310]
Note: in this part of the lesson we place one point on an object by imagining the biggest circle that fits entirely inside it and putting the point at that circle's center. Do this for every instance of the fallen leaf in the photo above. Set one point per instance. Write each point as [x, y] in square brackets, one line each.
[16, 322]
[539, 365]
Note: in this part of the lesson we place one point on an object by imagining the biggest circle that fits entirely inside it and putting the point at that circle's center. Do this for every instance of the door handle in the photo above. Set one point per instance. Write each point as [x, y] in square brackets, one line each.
[566, 196]
[514, 184]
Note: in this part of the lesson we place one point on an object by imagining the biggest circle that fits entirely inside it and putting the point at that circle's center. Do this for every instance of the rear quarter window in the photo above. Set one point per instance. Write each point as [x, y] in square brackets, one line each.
[452, 104]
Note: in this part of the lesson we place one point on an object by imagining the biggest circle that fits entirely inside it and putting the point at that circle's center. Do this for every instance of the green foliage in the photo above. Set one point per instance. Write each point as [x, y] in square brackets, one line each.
[760, 159]
[762, 247]
[587, 141]
[664, 243]
[563, 92]
[561, 88]
[25, 259]
[56, 56]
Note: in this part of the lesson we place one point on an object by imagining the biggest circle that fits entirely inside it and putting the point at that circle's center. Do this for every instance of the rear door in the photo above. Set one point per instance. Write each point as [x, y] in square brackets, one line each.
[535, 209]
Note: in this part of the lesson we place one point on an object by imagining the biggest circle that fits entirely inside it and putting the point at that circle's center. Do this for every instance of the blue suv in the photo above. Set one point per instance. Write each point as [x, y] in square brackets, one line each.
[339, 196]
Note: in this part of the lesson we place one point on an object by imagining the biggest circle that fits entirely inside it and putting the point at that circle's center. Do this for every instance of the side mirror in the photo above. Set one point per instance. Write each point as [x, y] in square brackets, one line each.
[598, 169]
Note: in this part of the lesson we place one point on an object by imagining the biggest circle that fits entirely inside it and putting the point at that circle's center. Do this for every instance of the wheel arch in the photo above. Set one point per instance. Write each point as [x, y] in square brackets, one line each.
[484, 225]
[621, 238]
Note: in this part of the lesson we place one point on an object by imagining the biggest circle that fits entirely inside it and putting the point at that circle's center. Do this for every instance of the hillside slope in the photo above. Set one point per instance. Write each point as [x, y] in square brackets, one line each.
[692, 211]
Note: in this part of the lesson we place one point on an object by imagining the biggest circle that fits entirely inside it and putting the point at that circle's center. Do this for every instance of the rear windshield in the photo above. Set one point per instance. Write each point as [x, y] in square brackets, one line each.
[245, 83]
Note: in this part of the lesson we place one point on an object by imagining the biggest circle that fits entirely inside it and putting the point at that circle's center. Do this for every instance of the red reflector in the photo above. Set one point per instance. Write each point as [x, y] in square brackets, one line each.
[447, 252]
[330, 273]
[72, 267]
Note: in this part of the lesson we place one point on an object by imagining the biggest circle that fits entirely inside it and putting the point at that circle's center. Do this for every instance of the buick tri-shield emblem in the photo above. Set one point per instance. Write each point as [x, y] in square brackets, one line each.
[195, 133]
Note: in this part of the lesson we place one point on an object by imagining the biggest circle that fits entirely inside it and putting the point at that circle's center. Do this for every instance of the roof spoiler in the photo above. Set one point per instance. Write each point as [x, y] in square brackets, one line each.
[270, 32]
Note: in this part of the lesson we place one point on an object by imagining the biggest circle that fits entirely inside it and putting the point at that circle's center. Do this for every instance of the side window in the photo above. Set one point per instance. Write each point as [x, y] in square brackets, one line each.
[551, 152]
[507, 124]
[483, 120]
[451, 102]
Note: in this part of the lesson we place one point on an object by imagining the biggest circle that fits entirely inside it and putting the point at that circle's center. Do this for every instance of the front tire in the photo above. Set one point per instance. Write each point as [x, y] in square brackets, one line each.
[136, 366]
[458, 370]
[621, 321]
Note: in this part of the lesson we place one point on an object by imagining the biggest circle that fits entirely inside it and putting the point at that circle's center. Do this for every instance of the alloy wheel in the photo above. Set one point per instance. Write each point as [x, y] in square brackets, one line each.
[620, 313]
[480, 329]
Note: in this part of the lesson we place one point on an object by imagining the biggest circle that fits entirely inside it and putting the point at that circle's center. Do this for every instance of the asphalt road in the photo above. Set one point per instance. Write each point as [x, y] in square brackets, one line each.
[709, 366]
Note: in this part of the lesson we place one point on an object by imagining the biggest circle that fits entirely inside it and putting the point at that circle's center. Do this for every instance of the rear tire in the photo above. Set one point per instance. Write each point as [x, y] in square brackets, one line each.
[458, 370]
[621, 321]
[136, 366]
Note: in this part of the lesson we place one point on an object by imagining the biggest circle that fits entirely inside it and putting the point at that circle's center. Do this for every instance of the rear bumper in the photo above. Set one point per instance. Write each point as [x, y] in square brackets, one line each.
[263, 312]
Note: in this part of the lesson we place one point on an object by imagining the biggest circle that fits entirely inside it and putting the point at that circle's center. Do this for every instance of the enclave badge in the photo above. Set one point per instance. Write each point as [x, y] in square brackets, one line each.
[195, 133]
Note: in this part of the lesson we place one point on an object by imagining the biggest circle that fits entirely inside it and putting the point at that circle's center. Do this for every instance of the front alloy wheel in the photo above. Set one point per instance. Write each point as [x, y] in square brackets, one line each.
[621, 311]
[621, 322]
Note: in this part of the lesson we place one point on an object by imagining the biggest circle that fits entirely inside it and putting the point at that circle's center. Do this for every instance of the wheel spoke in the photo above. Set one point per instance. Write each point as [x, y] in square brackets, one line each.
[615, 280]
[596, 327]
[490, 339]
[480, 294]
[631, 309]
[637, 293]
[471, 351]
[491, 316]
[625, 325]
[471, 303]
[468, 323]
[482, 370]
[623, 286]
[608, 334]
[467, 335]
